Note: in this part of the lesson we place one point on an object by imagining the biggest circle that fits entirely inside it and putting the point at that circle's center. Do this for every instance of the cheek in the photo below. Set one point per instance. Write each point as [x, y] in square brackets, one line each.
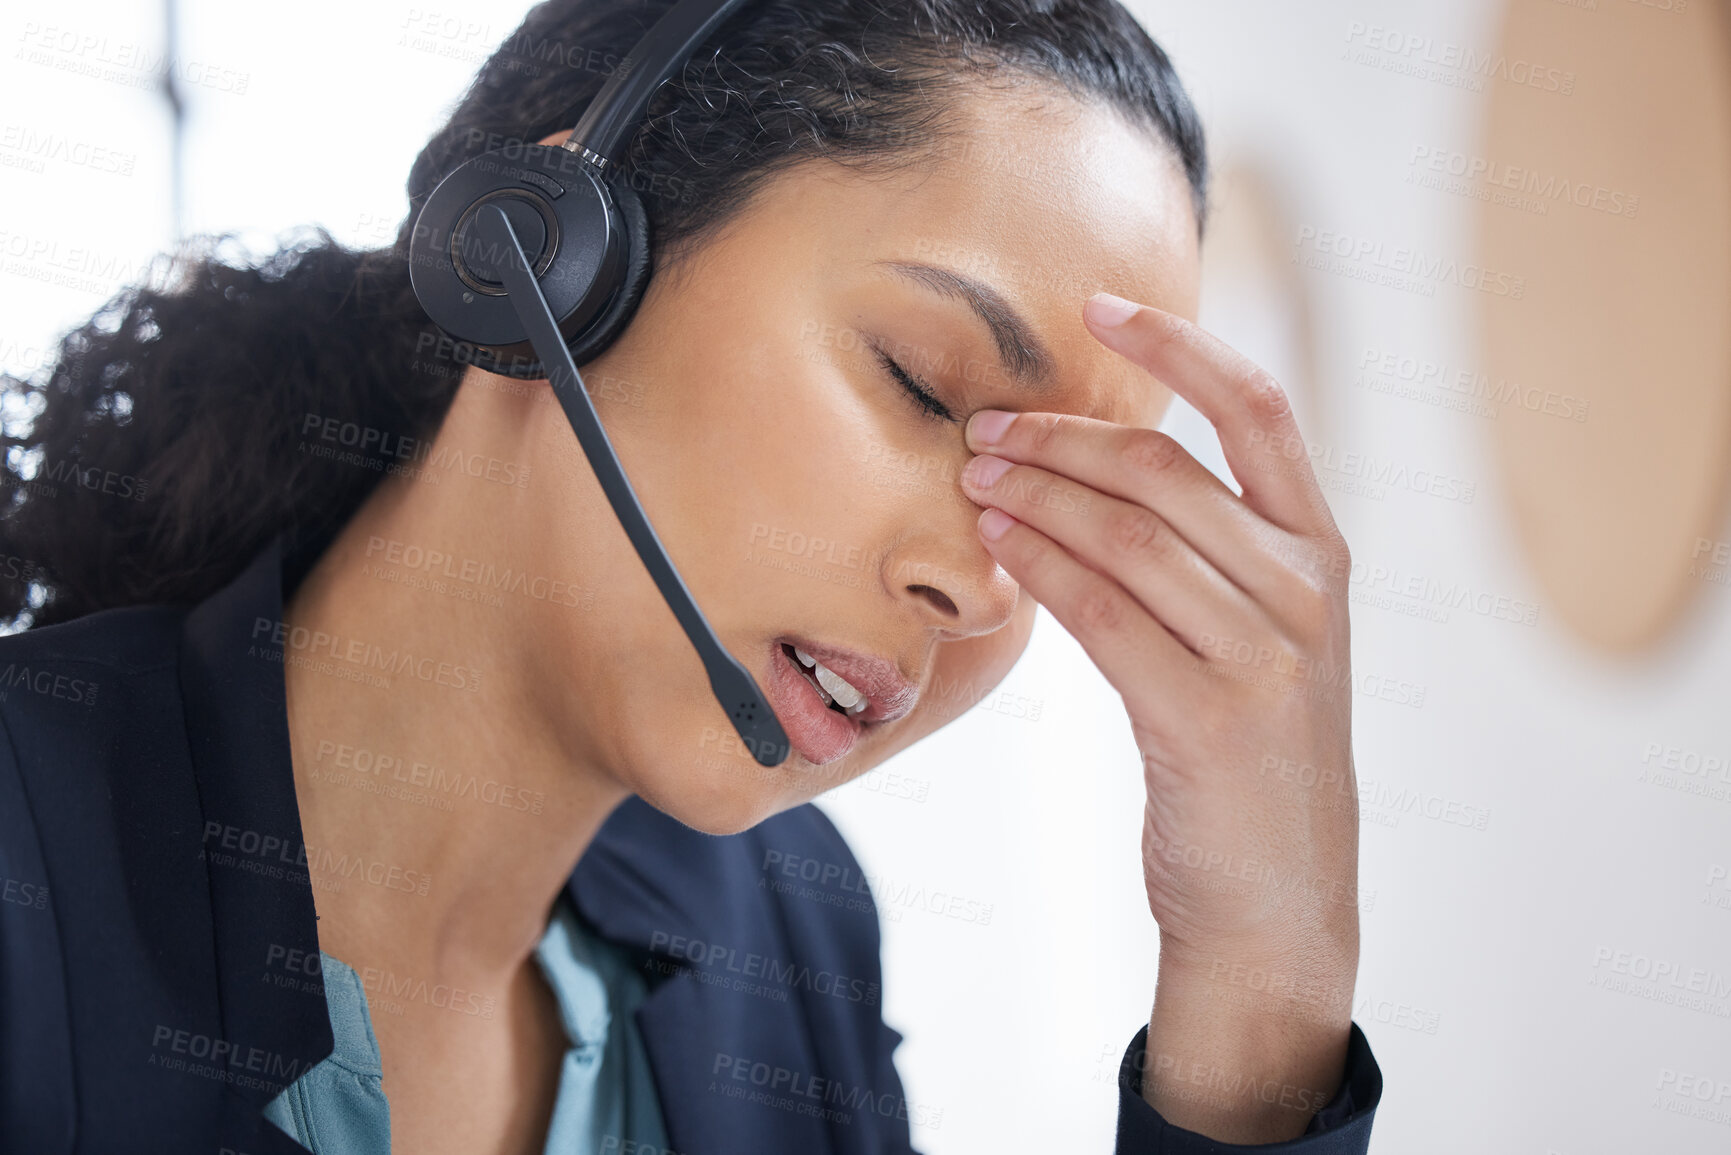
[966, 671]
[759, 433]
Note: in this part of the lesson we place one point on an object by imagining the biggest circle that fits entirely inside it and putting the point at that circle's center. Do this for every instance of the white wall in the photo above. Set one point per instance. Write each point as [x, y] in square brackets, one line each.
[1477, 982]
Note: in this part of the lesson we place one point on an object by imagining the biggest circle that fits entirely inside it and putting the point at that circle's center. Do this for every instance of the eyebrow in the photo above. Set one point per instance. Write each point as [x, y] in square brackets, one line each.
[1024, 355]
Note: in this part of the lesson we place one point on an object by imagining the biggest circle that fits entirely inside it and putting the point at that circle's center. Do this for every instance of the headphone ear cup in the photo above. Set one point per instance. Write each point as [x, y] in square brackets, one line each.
[618, 313]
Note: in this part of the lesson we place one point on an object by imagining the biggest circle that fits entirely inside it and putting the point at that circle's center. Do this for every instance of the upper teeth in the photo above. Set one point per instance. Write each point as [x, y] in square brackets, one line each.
[850, 699]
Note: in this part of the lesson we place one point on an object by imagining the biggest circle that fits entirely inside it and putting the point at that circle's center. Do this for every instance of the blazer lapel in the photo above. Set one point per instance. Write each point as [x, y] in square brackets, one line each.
[730, 1047]
[231, 677]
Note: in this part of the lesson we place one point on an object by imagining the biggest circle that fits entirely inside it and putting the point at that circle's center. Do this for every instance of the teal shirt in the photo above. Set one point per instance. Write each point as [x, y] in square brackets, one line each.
[607, 1099]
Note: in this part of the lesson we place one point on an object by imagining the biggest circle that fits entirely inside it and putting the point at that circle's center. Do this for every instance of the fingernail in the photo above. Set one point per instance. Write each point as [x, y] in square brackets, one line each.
[986, 428]
[983, 471]
[994, 523]
[1108, 311]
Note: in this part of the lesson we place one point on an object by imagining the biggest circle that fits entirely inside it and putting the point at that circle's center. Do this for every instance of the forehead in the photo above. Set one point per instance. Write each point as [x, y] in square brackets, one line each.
[1048, 200]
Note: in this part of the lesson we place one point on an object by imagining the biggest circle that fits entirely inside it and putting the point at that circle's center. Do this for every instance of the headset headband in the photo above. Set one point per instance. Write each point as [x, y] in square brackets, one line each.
[618, 108]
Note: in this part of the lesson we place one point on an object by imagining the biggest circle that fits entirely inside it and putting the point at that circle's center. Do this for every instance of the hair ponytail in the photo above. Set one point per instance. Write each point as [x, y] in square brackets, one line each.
[165, 455]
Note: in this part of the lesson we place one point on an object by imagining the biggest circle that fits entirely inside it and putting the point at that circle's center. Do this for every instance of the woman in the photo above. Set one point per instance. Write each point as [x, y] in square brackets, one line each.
[380, 812]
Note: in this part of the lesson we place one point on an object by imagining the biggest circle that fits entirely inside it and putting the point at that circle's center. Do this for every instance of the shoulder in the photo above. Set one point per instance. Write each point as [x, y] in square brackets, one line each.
[130, 639]
[70, 661]
[92, 743]
[799, 845]
[800, 854]
[805, 866]
[792, 877]
[89, 720]
[81, 686]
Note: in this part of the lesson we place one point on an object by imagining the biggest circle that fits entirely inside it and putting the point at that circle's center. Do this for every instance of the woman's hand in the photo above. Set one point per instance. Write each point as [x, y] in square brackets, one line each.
[1222, 622]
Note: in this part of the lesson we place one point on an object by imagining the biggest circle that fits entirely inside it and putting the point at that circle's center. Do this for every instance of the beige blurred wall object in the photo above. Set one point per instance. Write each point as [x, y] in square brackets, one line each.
[1626, 303]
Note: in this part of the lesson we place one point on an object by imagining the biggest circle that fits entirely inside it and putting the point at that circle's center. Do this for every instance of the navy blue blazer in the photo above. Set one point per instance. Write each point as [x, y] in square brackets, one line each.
[157, 911]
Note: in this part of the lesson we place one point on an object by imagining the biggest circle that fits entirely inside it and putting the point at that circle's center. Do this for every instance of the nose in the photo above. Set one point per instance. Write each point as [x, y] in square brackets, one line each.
[949, 580]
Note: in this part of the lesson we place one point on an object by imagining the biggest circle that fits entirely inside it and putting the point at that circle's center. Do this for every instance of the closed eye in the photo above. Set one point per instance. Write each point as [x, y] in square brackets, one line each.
[917, 390]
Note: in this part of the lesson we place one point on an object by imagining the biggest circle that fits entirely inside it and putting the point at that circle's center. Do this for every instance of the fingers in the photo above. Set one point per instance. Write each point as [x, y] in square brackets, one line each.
[1246, 406]
[1118, 634]
[1147, 468]
[1125, 542]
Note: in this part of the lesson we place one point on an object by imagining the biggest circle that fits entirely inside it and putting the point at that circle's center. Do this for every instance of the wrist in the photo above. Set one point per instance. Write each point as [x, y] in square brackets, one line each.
[1264, 983]
[1245, 1046]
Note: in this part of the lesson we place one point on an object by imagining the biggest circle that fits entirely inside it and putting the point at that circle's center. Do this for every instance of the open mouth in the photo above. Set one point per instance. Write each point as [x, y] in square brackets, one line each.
[831, 688]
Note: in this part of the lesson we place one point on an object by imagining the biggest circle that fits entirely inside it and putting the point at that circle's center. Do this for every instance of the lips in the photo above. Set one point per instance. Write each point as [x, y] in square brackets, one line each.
[889, 696]
[819, 733]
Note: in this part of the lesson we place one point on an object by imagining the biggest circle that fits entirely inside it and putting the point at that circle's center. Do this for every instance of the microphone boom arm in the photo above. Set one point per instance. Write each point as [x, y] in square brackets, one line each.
[734, 687]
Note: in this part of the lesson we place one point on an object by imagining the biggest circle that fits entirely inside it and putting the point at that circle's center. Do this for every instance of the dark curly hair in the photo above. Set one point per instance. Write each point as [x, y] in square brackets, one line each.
[161, 448]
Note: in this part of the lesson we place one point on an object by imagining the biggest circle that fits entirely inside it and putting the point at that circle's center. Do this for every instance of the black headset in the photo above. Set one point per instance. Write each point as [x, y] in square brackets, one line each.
[535, 256]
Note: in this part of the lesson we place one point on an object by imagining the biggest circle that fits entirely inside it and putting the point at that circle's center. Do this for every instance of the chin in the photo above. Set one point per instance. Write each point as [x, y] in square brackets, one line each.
[722, 794]
[692, 766]
[722, 811]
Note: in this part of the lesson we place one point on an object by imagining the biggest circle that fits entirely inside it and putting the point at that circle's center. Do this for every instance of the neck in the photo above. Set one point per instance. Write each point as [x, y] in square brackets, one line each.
[441, 810]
